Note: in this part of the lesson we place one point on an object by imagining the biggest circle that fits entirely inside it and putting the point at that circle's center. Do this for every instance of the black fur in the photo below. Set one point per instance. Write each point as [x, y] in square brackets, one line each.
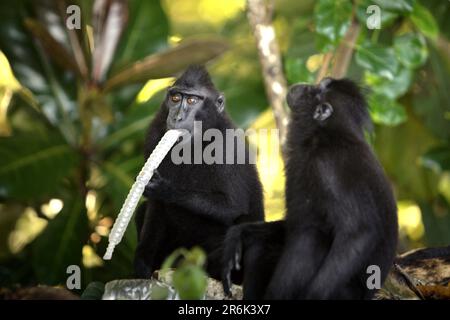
[341, 213]
[193, 204]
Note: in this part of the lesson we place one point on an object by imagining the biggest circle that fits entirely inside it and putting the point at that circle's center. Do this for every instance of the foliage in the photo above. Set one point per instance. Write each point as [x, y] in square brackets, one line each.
[83, 136]
[73, 113]
[399, 63]
[189, 279]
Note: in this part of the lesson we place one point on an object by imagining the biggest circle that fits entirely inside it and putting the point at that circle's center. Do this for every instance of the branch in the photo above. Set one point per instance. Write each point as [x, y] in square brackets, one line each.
[259, 14]
[342, 56]
[344, 52]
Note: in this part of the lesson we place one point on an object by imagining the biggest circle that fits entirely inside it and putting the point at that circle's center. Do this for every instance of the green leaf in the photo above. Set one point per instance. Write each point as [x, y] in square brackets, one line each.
[61, 243]
[323, 44]
[52, 87]
[390, 88]
[296, 71]
[378, 60]
[424, 21]
[386, 17]
[33, 165]
[386, 111]
[133, 125]
[159, 292]
[437, 159]
[411, 50]
[94, 291]
[120, 173]
[190, 282]
[168, 63]
[332, 18]
[169, 262]
[196, 256]
[52, 47]
[109, 20]
[147, 32]
[395, 6]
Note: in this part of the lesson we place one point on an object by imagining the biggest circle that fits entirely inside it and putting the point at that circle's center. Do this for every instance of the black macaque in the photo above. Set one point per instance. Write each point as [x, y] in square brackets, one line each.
[194, 204]
[341, 213]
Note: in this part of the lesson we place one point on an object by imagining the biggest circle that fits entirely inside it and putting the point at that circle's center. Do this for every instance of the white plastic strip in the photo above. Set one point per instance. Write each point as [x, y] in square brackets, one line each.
[126, 212]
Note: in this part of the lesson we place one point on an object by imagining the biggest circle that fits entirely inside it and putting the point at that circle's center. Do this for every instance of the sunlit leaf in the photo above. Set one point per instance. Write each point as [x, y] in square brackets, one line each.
[386, 111]
[424, 21]
[390, 88]
[402, 6]
[387, 17]
[196, 256]
[52, 87]
[378, 60]
[332, 18]
[411, 50]
[190, 282]
[323, 44]
[159, 292]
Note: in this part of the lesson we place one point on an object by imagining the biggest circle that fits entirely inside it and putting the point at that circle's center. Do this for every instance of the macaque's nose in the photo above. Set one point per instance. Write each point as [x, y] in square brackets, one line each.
[179, 116]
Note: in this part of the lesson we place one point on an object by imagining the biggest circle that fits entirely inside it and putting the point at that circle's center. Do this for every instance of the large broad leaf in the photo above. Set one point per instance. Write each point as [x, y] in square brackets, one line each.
[390, 88]
[402, 6]
[386, 111]
[109, 20]
[168, 63]
[362, 14]
[424, 21]
[19, 49]
[332, 18]
[411, 50]
[52, 87]
[437, 159]
[378, 60]
[146, 32]
[33, 165]
[296, 71]
[61, 243]
[52, 47]
[120, 175]
[131, 127]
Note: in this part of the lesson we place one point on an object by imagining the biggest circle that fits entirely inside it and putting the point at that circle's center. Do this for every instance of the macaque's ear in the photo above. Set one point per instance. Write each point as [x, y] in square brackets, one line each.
[220, 103]
[323, 111]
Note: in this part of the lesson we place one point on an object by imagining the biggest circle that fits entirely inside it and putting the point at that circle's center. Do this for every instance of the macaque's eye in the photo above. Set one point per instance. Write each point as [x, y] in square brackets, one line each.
[175, 98]
[192, 100]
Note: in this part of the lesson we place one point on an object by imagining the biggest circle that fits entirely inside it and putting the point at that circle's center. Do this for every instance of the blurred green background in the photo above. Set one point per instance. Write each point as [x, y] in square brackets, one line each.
[75, 104]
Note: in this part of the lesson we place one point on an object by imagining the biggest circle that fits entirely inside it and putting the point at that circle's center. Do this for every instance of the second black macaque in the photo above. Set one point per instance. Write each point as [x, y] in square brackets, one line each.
[341, 213]
[194, 204]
